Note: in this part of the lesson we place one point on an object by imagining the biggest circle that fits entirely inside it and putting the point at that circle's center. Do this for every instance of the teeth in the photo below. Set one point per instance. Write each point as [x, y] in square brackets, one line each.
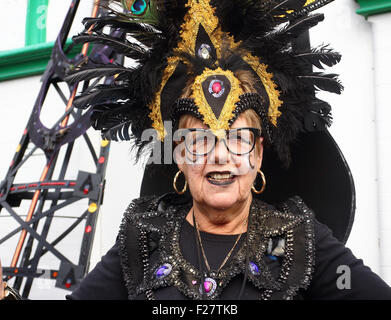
[220, 176]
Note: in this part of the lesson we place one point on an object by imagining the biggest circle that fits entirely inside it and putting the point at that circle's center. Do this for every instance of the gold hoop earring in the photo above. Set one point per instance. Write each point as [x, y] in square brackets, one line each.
[174, 184]
[263, 184]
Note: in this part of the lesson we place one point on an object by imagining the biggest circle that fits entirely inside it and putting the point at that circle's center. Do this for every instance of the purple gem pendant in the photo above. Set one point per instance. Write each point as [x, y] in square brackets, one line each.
[209, 286]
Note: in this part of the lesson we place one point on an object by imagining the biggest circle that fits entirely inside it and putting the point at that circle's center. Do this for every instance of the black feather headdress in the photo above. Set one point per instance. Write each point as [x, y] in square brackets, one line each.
[205, 44]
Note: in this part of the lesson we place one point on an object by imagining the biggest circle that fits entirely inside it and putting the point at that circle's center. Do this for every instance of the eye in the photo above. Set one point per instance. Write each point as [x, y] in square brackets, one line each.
[200, 138]
[240, 136]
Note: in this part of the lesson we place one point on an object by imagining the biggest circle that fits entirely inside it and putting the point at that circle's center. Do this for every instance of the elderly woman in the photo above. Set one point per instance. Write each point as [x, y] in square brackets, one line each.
[222, 243]
[230, 78]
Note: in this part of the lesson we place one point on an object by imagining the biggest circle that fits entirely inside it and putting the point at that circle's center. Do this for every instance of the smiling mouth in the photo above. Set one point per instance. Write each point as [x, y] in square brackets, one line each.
[220, 178]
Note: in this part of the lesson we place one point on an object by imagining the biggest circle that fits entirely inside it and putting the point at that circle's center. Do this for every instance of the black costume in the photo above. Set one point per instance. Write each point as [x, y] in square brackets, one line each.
[154, 233]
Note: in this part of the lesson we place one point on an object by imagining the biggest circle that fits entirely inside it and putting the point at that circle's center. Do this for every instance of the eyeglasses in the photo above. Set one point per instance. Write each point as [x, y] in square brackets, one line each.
[200, 142]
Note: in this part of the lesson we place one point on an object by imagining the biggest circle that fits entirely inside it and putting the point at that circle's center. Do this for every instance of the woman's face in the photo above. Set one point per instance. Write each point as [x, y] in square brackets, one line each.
[220, 179]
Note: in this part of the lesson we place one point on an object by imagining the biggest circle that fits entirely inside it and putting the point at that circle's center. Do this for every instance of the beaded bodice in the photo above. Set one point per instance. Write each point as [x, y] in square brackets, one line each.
[282, 234]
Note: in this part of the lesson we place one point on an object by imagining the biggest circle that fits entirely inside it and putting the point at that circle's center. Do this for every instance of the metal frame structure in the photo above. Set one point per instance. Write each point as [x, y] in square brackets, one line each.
[51, 193]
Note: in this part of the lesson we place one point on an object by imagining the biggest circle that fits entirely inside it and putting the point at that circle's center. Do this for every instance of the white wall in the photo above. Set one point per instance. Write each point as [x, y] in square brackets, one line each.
[361, 125]
[354, 113]
[353, 128]
[381, 26]
[14, 39]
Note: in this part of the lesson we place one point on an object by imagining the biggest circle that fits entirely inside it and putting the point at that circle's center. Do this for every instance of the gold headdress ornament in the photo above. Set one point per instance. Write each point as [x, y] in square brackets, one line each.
[215, 59]
[202, 14]
[204, 45]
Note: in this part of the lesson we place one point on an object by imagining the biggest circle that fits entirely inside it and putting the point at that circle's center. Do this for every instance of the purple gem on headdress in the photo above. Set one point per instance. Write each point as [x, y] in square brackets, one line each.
[163, 270]
[253, 268]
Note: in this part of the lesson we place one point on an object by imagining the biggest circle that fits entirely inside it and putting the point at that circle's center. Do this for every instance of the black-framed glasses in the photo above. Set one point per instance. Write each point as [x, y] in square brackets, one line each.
[200, 142]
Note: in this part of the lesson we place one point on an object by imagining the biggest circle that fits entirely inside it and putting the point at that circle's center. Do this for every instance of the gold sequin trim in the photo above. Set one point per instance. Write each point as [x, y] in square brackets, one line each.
[309, 2]
[269, 84]
[155, 114]
[202, 13]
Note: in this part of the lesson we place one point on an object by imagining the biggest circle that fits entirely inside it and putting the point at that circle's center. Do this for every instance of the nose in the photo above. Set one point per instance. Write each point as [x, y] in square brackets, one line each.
[220, 153]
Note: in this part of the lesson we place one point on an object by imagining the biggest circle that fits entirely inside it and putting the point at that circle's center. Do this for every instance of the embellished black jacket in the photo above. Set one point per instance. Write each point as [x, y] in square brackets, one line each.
[286, 254]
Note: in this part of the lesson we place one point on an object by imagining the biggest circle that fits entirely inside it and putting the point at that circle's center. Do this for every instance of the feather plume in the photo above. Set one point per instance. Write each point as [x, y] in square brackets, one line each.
[102, 93]
[322, 81]
[319, 116]
[296, 28]
[119, 9]
[115, 22]
[96, 71]
[119, 132]
[308, 8]
[320, 56]
[277, 8]
[121, 46]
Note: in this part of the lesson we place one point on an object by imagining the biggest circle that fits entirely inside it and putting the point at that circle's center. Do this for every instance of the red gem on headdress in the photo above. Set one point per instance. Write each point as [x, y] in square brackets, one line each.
[216, 87]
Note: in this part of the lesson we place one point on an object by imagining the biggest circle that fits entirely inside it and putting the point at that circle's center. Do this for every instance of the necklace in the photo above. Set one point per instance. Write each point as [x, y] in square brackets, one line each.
[209, 284]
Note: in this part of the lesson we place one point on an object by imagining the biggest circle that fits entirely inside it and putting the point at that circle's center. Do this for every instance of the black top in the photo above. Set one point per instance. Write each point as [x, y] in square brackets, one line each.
[330, 280]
